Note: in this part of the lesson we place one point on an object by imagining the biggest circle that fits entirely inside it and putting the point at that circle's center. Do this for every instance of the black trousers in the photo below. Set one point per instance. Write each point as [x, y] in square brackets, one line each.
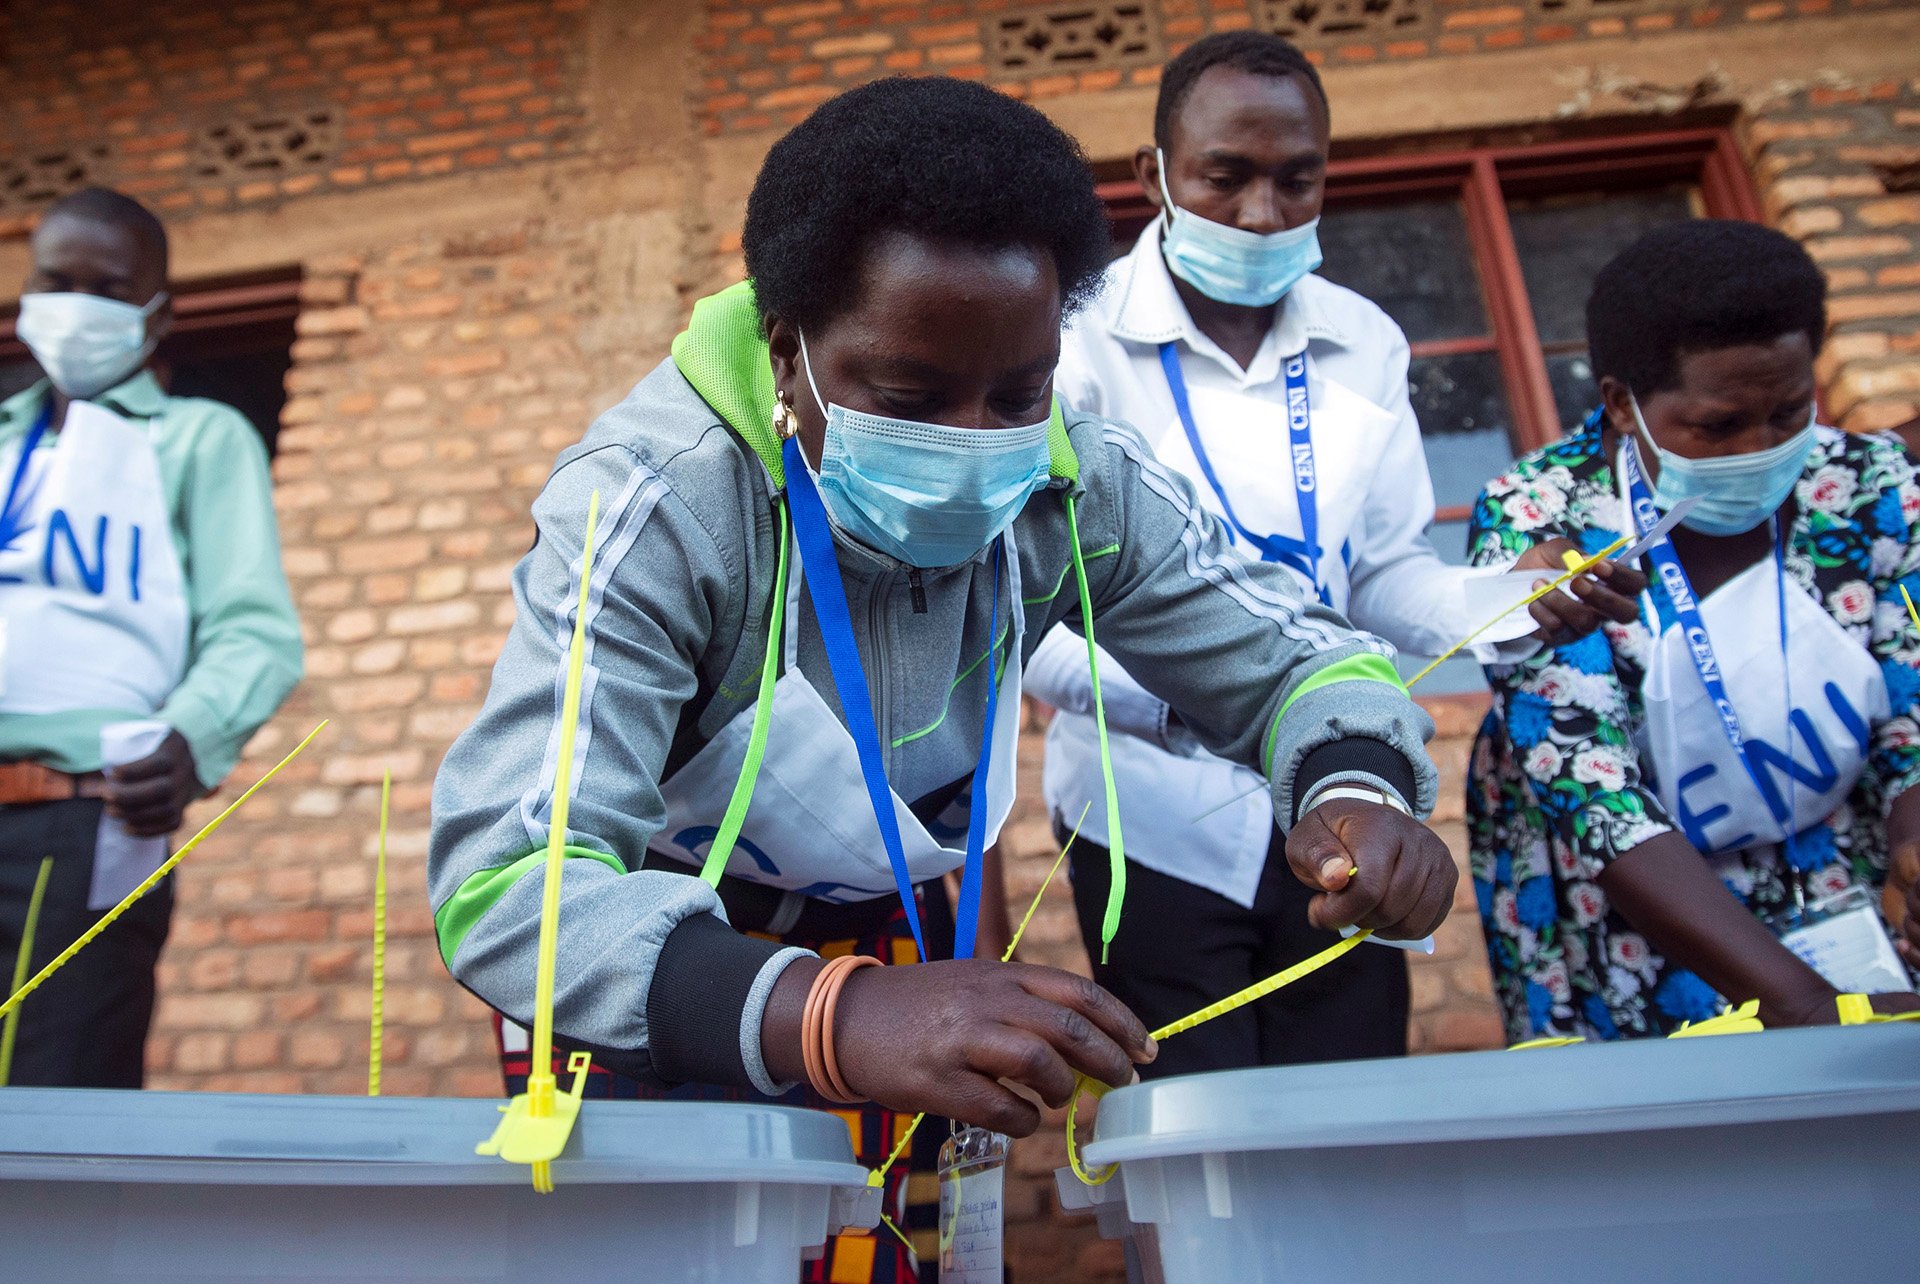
[87, 1026]
[1181, 947]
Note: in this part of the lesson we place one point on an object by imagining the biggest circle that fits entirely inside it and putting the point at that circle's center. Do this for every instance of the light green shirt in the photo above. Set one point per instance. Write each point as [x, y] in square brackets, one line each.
[244, 652]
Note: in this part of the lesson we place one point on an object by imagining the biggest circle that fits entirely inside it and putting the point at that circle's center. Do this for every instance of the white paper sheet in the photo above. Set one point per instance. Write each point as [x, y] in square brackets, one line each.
[122, 862]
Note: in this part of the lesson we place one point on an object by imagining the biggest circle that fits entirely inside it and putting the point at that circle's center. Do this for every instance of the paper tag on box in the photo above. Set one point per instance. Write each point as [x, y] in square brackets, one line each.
[1851, 950]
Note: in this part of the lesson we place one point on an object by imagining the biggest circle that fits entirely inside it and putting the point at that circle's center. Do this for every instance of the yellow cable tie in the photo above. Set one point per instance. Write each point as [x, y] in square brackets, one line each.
[22, 961]
[1911, 613]
[1573, 572]
[899, 1235]
[1549, 1042]
[1045, 883]
[152, 881]
[379, 940]
[879, 1175]
[1093, 1088]
[536, 1124]
[1261, 989]
[1258, 990]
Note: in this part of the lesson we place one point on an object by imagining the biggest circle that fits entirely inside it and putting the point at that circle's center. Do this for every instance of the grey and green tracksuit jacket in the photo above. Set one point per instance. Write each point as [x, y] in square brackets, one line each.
[649, 973]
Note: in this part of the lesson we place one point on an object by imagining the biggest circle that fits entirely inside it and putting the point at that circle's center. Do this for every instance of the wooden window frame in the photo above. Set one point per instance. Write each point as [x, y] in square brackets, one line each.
[1484, 179]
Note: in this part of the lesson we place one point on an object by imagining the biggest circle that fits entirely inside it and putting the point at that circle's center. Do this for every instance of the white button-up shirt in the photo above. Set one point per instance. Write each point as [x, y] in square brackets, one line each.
[1375, 504]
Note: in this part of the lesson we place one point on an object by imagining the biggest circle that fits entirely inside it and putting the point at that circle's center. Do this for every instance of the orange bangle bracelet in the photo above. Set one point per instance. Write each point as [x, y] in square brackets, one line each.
[816, 1028]
[832, 1005]
[810, 1032]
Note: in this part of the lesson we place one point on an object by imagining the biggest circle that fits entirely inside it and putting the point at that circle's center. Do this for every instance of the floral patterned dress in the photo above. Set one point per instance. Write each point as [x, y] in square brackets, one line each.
[1556, 787]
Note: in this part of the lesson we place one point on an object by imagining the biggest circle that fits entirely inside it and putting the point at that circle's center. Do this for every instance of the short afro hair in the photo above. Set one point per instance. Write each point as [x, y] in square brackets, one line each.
[115, 209]
[934, 157]
[1696, 285]
[1259, 53]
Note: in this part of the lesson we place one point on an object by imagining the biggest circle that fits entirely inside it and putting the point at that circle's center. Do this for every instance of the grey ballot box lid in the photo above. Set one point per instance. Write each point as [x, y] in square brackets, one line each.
[105, 1135]
[1640, 1085]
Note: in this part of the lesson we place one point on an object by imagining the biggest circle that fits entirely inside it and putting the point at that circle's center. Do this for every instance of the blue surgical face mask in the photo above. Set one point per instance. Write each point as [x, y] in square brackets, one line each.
[85, 343]
[1737, 492]
[1231, 264]
[925, 494]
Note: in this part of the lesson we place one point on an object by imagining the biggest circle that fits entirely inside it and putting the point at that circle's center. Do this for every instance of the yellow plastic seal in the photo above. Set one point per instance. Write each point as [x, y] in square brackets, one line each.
[379, 940]
[21, 963]
[1744, 1019]
[538, 1122]
[1857, 1009]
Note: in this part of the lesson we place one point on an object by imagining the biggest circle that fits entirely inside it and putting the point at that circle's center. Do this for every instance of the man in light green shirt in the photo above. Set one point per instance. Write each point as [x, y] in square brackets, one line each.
[146, 628]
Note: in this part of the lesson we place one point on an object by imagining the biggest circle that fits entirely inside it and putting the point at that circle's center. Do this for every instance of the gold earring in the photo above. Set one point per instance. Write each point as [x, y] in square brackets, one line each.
[785, 423]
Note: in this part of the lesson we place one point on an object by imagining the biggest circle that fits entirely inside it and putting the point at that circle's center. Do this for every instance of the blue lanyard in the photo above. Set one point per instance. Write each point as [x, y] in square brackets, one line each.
[1302, 555]
[829, 597]
[10, 520]
[1686, 609]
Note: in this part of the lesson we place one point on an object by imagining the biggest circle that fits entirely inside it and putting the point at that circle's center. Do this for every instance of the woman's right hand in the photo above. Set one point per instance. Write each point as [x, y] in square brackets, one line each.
[940, 1037]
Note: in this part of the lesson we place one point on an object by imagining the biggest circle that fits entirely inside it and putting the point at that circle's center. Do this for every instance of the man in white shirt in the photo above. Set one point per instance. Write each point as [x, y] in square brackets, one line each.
[1283, 399]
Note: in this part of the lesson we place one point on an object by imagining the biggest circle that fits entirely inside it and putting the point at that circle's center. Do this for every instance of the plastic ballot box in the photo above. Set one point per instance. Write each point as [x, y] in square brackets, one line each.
[1783, 1155]
[112, 1186]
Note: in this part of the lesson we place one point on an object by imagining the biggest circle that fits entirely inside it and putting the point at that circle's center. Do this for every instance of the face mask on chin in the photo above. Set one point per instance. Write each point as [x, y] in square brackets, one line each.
[85, 343]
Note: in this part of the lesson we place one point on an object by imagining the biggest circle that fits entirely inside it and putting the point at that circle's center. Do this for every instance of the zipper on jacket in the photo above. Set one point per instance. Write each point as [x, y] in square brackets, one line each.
[878, 672]
[919, 591]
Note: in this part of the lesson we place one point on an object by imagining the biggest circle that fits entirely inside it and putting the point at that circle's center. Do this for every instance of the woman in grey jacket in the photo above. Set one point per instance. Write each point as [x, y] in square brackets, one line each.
[833, 526]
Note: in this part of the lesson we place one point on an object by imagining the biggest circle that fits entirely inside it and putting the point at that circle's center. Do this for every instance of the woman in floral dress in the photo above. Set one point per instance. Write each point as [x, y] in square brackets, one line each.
[1628, 855]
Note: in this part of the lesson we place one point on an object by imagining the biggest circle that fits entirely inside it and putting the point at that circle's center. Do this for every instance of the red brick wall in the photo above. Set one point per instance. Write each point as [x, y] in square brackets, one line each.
[1839, 167]
[408, 89]
[769, 64]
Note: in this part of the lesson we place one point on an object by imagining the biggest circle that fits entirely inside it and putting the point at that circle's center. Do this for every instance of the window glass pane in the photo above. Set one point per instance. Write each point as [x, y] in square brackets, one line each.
[1574, 392]
[1413, 259]
[1563, 241]
[1464, 422]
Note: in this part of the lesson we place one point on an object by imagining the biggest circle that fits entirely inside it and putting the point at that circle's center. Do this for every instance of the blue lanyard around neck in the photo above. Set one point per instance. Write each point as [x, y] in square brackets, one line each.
[1686, 610]
[1302, 555]
[11, 527]
[828, 594]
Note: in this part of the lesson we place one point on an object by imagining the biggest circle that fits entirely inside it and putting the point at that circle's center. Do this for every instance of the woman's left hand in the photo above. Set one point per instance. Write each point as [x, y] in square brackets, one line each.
[1406, 876]
[1608, 592]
